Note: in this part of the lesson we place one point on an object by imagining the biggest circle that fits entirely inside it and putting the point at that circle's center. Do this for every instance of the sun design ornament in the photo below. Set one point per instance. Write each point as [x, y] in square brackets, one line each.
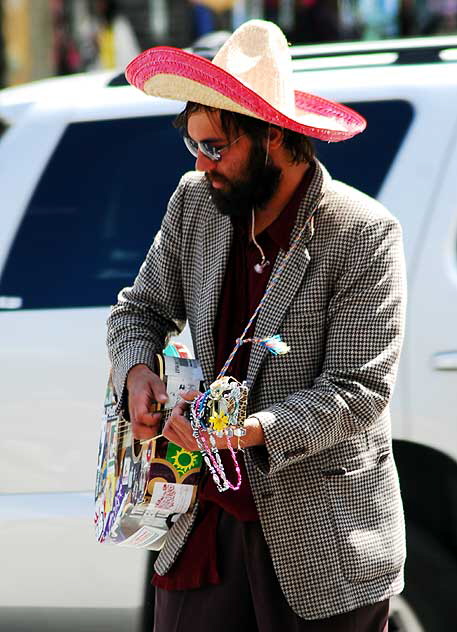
[219, 421]
[183, 460]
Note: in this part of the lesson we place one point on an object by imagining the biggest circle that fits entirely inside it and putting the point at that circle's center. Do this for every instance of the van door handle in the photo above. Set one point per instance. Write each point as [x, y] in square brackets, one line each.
[445, 361]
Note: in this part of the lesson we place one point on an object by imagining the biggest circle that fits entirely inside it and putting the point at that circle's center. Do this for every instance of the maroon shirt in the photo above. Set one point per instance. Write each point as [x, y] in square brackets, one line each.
[242, 291]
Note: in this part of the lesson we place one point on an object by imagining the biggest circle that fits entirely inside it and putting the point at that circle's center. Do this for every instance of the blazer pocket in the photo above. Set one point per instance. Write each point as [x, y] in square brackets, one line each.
[368, 519]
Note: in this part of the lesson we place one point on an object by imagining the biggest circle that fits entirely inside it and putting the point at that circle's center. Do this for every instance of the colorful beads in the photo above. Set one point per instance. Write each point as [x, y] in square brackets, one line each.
[220, 411]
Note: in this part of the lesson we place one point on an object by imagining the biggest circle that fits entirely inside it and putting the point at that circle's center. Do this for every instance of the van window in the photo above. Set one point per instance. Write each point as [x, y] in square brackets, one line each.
[364, 161]
[103, 193]
[94, 213]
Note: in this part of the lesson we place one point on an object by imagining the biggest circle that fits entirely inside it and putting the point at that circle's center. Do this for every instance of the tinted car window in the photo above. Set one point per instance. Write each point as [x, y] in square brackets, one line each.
[95, 212]
[364, 161]
[102, 196]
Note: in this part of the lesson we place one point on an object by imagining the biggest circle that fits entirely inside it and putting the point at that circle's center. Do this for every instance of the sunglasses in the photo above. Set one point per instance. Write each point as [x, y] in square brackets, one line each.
[207, 149]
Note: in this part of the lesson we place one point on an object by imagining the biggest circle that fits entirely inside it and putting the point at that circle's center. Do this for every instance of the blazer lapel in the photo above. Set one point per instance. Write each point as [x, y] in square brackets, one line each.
[216, 244]
[217, 239]
[284, 289]
[277, 302]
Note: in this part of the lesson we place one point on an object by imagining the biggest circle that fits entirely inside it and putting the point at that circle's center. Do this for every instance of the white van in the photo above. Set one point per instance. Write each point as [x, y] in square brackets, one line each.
[87, 166]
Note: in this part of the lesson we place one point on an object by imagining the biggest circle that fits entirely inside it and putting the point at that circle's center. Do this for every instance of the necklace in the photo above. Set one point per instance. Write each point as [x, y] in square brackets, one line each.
[264, 263]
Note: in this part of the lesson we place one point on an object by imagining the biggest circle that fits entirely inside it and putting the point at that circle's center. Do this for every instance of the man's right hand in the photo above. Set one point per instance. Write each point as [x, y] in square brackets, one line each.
[144, 388]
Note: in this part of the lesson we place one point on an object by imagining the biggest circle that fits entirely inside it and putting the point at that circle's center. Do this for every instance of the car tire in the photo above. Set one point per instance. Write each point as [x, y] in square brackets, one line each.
[428, 602]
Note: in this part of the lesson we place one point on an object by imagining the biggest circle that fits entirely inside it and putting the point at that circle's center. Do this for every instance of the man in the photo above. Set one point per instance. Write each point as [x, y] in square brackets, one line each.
[313, 539]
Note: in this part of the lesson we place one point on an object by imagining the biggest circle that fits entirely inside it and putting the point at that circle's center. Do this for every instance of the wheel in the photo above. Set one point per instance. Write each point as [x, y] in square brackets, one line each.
[428, 603]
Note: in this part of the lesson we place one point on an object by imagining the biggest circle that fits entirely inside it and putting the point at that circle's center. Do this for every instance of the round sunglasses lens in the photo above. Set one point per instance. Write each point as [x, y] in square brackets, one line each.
[191, 145]
[209, 151]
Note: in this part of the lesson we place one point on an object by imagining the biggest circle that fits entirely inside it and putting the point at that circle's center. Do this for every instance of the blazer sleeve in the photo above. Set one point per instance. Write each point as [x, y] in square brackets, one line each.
[366, 317]
[152, 310]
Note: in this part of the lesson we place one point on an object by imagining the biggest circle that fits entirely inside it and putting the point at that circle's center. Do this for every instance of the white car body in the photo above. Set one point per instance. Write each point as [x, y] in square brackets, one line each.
[53, 361]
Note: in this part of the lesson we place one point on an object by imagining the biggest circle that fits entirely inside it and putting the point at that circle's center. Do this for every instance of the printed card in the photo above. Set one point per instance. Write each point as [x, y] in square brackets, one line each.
[170, 498]
[143, 538]
[183, 374]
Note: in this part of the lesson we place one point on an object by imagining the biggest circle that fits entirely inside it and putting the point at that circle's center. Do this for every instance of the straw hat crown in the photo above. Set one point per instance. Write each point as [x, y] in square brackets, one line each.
[258, 55]
[251, 75]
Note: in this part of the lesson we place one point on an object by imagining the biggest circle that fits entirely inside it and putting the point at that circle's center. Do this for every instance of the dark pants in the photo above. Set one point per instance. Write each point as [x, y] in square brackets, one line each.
[249, 599]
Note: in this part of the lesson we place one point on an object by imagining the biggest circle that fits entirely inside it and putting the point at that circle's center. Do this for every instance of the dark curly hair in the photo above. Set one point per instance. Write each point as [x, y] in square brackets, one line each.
[299, 146]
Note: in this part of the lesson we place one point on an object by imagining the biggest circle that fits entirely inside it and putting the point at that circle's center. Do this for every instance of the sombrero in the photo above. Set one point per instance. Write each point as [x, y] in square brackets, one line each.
[251, 74]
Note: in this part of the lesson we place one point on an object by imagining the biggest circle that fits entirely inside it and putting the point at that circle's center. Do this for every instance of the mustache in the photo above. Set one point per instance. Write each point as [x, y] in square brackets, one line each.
[216, 178]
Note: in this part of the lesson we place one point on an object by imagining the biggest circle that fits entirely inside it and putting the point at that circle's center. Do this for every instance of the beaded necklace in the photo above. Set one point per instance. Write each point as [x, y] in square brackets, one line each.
[221, 410]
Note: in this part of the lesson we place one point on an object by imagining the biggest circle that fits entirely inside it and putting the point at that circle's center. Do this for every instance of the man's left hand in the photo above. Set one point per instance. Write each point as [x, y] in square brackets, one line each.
[179, 430]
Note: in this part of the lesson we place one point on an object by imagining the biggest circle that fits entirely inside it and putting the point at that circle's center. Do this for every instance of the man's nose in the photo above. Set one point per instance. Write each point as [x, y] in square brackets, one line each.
[203, 163]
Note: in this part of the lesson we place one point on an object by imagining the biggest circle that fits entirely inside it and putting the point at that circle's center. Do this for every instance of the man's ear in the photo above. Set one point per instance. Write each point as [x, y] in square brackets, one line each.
[276, 135]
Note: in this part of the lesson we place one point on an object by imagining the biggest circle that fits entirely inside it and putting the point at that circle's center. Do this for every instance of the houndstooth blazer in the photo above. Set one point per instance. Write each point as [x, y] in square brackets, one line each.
[325, 483]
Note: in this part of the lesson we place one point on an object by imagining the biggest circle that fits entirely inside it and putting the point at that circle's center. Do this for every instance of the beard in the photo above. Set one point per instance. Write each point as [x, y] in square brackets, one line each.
[255, 190]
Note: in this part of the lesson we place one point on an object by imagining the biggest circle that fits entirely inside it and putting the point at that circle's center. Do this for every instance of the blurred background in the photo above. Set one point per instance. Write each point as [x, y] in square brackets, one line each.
[43, 38]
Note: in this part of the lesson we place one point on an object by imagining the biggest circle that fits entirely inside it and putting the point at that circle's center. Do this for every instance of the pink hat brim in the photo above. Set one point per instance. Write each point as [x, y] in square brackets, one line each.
[174, 62]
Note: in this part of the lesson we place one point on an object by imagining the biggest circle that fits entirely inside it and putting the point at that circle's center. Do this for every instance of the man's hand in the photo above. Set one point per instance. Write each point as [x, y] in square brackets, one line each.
[179, 430]
[145, 388]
